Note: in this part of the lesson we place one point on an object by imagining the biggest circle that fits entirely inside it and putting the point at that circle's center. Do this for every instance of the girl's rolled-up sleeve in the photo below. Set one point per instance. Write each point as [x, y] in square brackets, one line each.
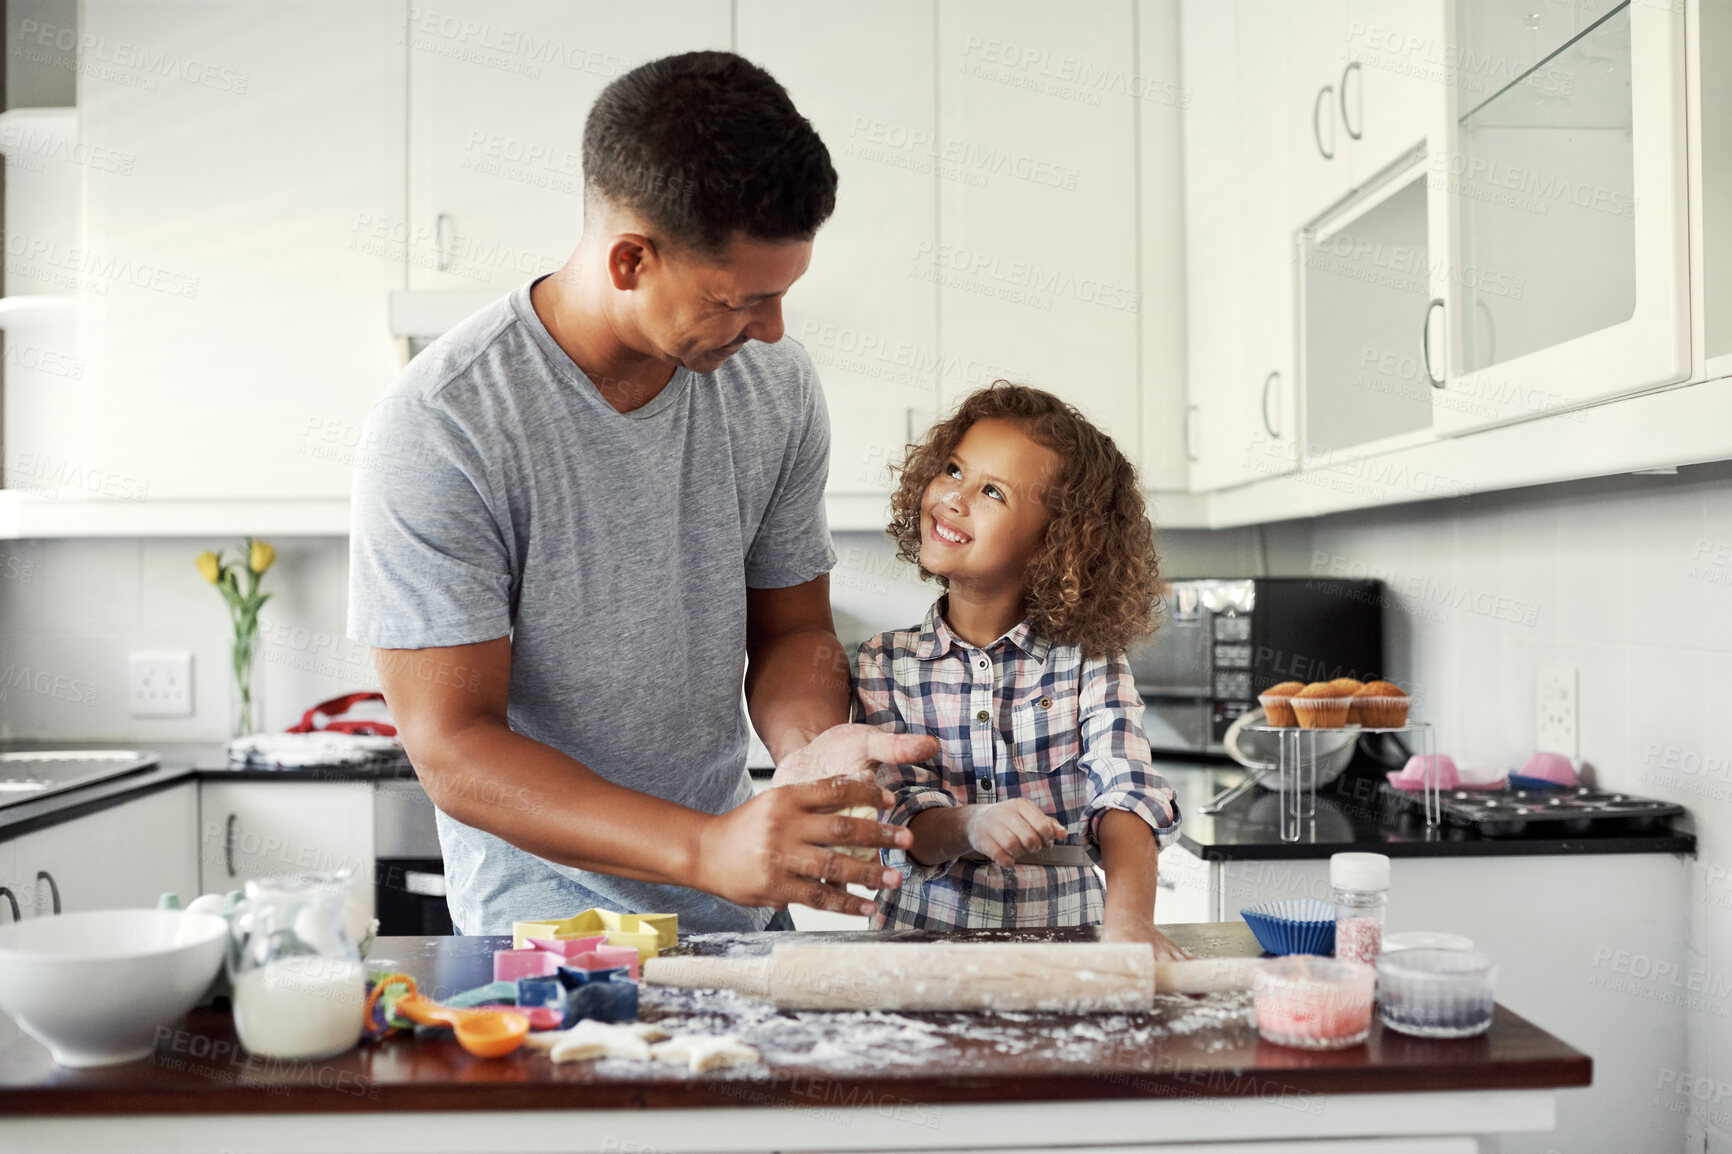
[1115, 752]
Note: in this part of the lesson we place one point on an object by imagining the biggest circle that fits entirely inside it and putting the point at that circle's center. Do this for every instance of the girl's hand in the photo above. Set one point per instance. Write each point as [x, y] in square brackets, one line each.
[1130, 930]
[1005, 830]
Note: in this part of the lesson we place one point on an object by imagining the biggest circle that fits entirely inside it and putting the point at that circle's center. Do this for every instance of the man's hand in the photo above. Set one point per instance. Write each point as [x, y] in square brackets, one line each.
[776, 848]
[1131, 930]
[852, 750]
[1005, 830]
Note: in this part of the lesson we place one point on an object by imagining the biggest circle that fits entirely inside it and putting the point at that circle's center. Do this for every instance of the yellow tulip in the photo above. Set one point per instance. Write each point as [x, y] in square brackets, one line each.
[209, 566]
[263, 557]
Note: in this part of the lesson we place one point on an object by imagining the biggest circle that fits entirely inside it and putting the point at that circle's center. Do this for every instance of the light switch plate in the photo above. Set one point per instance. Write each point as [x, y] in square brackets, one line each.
[160, 684]
[1558, 716]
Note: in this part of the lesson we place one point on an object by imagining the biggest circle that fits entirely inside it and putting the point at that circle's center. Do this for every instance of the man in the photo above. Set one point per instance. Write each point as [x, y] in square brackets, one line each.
[594, 505]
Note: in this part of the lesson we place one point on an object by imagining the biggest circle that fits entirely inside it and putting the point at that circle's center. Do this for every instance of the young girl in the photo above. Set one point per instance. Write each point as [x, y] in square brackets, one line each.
[1029, 517]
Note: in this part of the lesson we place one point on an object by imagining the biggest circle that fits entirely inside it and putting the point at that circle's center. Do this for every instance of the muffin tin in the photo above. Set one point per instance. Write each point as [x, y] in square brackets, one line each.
[1551, 812]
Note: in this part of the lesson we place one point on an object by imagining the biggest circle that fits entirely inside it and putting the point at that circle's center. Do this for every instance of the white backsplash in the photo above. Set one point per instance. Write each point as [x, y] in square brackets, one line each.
[71, 611]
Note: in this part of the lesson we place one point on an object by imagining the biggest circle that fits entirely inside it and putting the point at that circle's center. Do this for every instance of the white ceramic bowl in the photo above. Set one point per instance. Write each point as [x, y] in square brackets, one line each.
[94, 987]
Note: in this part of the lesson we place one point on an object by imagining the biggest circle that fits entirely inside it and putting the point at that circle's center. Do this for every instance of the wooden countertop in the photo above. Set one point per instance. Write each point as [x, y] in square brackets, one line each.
[1184, 1048]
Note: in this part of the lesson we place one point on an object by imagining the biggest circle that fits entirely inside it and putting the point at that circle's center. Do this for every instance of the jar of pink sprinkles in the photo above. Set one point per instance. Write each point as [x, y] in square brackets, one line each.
[1361, 884]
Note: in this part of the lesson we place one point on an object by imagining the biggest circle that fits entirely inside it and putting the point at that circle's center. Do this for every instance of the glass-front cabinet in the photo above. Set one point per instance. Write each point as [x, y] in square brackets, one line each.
[1558, 171]
[1367, 296]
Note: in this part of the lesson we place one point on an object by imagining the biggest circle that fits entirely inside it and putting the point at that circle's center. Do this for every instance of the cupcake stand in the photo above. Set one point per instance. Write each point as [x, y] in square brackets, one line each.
[1296, 768]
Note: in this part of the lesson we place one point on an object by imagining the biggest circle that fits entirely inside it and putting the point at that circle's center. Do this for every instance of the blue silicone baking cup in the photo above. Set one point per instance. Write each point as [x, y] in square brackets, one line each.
[1298, 926]
[1520, 781]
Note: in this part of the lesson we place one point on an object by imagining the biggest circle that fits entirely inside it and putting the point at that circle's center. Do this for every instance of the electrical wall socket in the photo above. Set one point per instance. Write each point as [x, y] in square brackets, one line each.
[1555, 694]
[159, 684]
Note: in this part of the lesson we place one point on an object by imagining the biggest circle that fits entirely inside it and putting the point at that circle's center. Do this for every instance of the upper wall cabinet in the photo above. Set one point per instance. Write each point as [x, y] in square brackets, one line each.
[869, 324]
[1036, 265]
[498, 92]
[1563, 154]
[1360, 74]
[1238, 255]
[238, 251]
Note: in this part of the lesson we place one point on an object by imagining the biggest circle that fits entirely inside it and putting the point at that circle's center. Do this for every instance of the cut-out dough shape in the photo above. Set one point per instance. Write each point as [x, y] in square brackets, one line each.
[592, 1039]
[706, 1052]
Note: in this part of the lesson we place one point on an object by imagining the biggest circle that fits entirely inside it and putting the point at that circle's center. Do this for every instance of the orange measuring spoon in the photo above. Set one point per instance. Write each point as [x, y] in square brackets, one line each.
[484, 1033]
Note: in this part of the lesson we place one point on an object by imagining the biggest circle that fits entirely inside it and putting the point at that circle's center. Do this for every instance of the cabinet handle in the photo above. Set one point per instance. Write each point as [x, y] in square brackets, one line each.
[441, 251]
[53, 890]
[1190, 454]
[1425, 342]
[1267, 381]
[13, 902]
[1490, 330]
[229, 844]
[1316, 125]
[1352, 132]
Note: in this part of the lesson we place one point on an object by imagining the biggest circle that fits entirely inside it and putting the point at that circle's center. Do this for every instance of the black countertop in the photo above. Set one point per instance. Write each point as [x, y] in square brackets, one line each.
[180, 762]
[1353, 814]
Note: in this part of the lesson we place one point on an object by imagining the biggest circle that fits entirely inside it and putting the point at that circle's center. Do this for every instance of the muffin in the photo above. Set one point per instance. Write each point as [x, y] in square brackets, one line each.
[1320, 706]
[1277, 703]
[1381, 705]
[1348, 686]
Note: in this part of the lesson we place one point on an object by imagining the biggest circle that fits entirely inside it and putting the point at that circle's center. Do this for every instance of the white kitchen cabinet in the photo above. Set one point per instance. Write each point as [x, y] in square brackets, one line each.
[1367, 288]
[1358, 94]
[1183, 887]
[124, 857]
[866, 311]
[1393, 69]
[1238, 251]
[1215, 361]
[263, 829]
[1566, 215]
[238, 253]
[498, 94]
[1035, 265]
[1268, 382]
[1319, 171]
[1161, 153]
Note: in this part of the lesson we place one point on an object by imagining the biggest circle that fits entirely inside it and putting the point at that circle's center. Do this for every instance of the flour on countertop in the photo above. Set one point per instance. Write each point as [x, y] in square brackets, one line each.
[875, 1040]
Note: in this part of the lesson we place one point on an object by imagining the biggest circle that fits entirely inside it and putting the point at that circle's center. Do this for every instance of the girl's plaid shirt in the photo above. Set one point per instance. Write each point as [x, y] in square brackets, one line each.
[1020, 718]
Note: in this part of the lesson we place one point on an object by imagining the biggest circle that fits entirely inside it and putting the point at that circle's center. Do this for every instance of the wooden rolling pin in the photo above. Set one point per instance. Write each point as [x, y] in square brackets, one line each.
[1076, 978]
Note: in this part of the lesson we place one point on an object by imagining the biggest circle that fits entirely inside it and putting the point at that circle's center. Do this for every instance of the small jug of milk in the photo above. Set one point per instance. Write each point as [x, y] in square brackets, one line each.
[299, 987]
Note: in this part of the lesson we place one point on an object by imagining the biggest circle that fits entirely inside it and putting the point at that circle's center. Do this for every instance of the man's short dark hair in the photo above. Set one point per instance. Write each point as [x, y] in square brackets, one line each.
[705, 145]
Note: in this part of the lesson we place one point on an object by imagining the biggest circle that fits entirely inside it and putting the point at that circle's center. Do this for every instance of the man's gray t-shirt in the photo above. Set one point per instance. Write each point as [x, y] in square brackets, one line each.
[497, 493]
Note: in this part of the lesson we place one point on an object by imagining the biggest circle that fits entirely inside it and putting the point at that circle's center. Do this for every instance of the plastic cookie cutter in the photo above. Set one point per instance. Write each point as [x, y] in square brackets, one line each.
[647, 933]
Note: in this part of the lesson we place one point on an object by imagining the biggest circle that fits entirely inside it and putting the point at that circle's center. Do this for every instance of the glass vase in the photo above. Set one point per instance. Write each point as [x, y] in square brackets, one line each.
[246, 696]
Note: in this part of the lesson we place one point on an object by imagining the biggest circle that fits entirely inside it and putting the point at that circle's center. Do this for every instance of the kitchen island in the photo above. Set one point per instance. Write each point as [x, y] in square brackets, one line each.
[1191, 1071]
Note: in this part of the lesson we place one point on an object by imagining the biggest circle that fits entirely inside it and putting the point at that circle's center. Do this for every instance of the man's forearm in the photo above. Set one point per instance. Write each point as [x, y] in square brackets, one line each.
[796, 688]
[1130, 858]
[553, 806]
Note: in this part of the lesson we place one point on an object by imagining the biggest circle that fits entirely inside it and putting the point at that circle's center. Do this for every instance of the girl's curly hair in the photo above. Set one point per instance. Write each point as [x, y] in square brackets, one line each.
[1093, 581]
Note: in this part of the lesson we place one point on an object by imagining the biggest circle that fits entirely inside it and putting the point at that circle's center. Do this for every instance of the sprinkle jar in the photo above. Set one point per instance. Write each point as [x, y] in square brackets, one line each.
[1361, 885]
